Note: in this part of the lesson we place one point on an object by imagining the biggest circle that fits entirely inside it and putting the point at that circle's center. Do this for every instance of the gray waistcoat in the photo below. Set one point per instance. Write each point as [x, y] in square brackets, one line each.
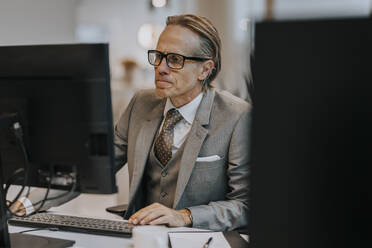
[161, 181]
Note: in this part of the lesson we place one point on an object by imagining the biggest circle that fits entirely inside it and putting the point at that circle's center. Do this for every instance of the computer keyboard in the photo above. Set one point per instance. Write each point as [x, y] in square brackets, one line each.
[75, 224]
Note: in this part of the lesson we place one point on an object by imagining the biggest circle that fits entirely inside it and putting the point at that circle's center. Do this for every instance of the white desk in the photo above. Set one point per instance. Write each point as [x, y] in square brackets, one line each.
[89, 240]
[81, 239]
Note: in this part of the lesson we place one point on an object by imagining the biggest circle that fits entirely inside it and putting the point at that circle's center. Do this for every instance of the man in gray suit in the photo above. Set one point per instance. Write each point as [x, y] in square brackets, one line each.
[186, 143]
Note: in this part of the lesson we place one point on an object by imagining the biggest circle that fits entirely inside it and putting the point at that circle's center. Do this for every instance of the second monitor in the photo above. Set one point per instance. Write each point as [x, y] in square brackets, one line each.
[61, 94]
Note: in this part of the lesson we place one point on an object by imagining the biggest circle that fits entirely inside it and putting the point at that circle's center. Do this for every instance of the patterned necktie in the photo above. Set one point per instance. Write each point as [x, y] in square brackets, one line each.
[164, 142]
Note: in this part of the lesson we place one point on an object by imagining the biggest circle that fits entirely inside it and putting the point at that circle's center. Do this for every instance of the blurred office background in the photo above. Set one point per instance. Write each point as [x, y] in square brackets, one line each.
[132, 27]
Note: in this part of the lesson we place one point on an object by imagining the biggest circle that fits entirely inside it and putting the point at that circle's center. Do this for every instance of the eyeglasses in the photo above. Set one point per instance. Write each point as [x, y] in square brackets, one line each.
[174, 60]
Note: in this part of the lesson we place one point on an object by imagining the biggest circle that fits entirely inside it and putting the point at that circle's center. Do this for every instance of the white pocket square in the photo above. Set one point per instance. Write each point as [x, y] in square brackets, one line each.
[208, 159]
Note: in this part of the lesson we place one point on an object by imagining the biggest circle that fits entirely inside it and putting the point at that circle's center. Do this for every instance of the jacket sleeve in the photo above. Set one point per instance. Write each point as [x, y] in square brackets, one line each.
[121, 136]
[232, 212]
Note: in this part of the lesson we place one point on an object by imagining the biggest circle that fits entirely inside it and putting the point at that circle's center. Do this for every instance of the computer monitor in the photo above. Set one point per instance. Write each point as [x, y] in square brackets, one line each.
[311, 134]
[60, 94]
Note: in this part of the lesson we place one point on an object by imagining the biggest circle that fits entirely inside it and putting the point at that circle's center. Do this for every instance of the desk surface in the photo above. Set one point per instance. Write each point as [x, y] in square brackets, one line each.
[81, 239]
[91, 240]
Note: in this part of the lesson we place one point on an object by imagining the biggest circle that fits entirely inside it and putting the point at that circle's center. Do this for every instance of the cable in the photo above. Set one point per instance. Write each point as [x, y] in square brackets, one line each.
[14, 178]
[42, 201]
[52, 198]
[40, 229]
[18, 132]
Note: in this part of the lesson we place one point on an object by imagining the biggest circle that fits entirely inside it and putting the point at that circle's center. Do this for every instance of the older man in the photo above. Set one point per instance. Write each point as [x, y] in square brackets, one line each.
[186, 143]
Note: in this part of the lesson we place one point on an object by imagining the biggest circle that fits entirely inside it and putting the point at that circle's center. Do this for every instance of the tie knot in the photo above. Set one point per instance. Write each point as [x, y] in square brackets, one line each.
[172, 117]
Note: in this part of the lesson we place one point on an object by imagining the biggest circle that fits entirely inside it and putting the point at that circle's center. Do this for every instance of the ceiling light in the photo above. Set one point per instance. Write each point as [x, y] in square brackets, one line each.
[243, 24]
[159, 3]
[148, 35]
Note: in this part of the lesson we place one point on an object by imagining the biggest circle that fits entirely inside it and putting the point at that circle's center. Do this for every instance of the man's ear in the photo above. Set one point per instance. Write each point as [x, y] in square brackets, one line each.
[206, 69]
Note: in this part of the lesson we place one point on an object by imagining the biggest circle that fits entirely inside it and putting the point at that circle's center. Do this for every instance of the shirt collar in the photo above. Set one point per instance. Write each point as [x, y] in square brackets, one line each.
[188, 111]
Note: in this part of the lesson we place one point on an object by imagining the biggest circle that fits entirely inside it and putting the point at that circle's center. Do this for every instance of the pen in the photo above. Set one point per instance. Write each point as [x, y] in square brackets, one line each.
[206, 245]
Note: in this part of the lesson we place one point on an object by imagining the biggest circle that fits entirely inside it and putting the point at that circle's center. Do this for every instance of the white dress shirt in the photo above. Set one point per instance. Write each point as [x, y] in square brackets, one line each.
[183, 127]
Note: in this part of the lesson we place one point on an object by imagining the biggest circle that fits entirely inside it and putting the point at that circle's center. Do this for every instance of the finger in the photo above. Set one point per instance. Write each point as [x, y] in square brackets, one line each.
[20, 212]
[142, 213]
[18, 208]
[139, 218]
[139, 215]
[15, 206]
[134, 218]
[153, 215]
[161, 220]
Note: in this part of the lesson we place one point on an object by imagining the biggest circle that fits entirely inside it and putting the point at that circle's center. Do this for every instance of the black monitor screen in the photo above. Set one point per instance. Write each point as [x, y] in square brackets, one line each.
[311, 133]
[61, 94]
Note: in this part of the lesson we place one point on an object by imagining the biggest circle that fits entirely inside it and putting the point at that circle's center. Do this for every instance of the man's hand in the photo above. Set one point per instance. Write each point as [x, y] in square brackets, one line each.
[157, 214]
[17, 208]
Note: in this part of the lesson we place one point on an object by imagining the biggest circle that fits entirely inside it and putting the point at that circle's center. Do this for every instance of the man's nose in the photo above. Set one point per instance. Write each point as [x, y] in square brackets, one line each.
[163, 67]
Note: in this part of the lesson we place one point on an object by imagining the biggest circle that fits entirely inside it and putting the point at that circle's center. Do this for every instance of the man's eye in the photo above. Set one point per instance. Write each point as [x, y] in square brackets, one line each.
[174, 59]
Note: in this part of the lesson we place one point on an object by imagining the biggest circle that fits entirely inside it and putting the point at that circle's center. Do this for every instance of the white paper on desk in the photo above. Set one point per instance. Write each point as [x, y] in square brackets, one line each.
[197, 240]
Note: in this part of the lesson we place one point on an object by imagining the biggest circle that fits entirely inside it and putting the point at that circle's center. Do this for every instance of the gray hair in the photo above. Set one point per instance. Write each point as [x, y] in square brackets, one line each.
[210, 42]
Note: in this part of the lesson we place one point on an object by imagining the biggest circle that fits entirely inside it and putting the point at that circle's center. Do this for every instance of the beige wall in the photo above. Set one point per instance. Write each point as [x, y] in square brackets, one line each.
[235, 50]
[37, 21]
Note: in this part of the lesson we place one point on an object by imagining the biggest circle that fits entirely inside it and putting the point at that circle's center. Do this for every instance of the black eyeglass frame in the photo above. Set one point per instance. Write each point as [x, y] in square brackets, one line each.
[162, 55]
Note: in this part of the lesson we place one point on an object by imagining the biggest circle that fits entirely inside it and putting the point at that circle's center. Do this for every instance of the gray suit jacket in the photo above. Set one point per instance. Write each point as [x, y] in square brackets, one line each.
[215, 192]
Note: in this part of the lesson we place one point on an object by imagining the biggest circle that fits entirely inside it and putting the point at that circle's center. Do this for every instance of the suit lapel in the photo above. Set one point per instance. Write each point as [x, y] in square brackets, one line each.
[143, 145]
[195, 140]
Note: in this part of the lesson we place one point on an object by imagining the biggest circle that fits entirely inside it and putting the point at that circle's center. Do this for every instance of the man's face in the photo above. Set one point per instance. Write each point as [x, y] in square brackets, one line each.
[181, 85]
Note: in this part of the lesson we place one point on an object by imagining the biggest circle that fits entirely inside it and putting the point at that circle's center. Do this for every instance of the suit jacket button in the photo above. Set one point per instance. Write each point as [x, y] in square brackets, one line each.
[164, 173]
